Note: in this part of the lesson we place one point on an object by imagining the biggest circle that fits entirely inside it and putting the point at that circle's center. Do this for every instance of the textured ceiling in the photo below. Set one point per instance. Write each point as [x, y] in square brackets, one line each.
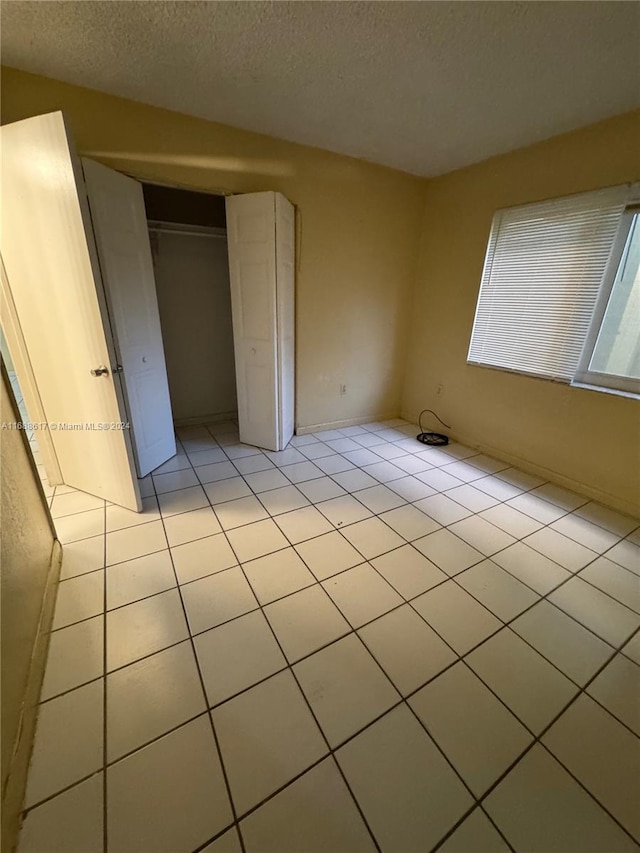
[426, 87]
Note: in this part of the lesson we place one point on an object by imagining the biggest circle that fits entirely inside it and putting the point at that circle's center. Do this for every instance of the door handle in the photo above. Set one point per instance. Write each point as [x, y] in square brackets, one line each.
[100, 371]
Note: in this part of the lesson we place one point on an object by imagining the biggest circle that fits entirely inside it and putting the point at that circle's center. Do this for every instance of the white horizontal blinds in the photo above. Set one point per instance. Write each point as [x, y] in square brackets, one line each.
[544, 265]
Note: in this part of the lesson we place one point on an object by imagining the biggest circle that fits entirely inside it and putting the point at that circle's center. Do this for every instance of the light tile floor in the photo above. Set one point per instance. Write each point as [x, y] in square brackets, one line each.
[359, 643]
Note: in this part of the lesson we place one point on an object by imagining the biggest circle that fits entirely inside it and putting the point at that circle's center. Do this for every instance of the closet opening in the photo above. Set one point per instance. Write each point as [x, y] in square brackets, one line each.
[188, 237]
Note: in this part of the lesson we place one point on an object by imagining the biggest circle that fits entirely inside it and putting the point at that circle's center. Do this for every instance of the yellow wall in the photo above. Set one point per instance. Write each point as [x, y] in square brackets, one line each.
[359, 229]
[587, 439]
[29, 570]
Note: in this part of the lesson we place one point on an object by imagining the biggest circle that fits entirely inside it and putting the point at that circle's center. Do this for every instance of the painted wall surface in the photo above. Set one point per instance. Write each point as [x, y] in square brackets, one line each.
[359, 320]
[589, 438]
[192, 282]
[26, 557]
[358, 230]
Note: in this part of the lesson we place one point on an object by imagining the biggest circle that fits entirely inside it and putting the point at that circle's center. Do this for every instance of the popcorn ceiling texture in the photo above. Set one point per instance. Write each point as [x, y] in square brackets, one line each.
[424, 87]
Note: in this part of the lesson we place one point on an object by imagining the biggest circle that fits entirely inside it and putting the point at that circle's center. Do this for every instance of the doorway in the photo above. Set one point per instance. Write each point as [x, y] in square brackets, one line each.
[188, 237]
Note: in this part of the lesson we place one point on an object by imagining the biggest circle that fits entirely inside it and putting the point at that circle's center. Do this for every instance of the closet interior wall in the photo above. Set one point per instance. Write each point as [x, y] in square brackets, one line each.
[189, 248]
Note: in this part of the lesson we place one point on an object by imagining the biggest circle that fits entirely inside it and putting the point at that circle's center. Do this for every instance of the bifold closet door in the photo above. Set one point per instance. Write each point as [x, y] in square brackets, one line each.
[122, 238]
[285, 299]
[260, 240]
[52, 271]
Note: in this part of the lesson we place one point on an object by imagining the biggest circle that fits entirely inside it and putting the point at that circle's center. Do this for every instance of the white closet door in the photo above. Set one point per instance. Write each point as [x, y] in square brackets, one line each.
[120, 225]
[51, 266]
[265, 405]
[285, 296]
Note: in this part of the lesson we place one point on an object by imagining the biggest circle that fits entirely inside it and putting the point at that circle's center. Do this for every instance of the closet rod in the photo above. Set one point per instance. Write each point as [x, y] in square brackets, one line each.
[187, 232]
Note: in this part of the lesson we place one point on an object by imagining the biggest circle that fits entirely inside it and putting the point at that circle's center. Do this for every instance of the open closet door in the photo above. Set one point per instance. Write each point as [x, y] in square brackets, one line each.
[51, 268]
[285, 299]
[261, 269]
[120, 227]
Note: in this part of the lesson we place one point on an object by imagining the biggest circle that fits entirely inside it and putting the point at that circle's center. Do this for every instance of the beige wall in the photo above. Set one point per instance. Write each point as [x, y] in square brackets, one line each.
[27, 605]
[360, 227]
[589, 438]
[358, 230]
[194, 298]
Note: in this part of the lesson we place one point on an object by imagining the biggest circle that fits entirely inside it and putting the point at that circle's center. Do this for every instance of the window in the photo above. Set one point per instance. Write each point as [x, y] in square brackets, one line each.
[560, 293]
[611, 355]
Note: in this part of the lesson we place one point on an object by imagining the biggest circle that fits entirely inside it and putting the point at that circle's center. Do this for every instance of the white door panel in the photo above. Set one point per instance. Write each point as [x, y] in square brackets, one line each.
[252, 272]
[120, 225]
[260, 239]
[51, 266]
[285, 277]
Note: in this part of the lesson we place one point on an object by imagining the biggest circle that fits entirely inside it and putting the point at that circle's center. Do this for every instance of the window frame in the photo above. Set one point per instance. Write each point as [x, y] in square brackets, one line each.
[582, 376]
[592, 379]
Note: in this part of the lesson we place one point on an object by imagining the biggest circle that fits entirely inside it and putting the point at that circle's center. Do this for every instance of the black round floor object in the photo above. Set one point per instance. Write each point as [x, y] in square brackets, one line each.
[433, 439]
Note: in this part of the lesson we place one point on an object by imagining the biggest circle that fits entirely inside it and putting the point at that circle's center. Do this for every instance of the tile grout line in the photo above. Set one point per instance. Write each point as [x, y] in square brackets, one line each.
[206, 700]
[407, 503]
[538, 741]
[443, 492]
[302, 693]
[403, 700]
[451, 577]
[486, 474]
[454, 577]
[572, 574]
[355, 630]
[366, 624]
[365, 561]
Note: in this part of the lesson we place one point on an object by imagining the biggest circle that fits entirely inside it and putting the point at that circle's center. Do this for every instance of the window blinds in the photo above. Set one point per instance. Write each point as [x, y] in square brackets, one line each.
[544, 265]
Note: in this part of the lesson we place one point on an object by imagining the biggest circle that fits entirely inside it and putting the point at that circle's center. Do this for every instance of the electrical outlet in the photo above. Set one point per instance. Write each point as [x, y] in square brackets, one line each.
[343, 390]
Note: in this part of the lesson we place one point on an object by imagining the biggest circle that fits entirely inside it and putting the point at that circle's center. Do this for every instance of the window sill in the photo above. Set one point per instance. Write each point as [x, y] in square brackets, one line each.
[615, 391]
[584, 386]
